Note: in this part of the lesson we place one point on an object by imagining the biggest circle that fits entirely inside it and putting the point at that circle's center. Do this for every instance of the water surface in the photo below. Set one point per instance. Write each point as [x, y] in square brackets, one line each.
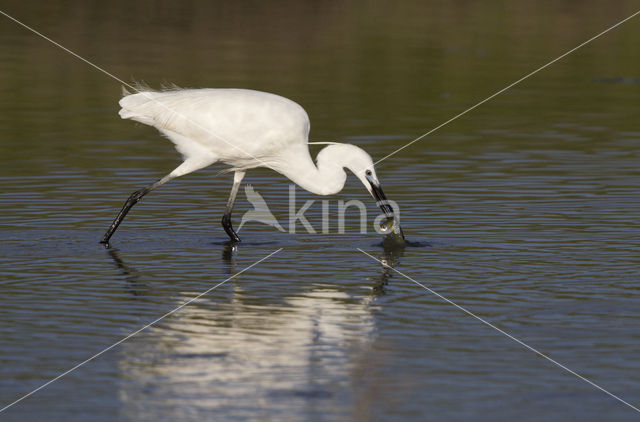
[526, 210]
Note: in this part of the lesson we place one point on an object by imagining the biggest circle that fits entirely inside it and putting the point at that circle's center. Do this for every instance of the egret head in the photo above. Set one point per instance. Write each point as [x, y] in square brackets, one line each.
[360, 163]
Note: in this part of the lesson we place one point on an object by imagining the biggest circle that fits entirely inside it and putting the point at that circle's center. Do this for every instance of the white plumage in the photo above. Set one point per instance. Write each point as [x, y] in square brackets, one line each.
[244, 129]
[239, 127]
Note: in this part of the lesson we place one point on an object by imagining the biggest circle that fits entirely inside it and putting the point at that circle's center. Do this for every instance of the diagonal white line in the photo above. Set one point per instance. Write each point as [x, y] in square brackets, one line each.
[198, 125]
[137, 331]
[67, 50]
[507, 87]
[484, 321]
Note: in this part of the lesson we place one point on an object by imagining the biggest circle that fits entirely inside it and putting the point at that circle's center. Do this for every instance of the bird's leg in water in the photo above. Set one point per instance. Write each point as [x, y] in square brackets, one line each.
[226, 218]
[131, 201]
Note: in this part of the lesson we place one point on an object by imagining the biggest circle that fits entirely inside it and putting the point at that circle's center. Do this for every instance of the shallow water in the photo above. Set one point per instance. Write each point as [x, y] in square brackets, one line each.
[525, 212]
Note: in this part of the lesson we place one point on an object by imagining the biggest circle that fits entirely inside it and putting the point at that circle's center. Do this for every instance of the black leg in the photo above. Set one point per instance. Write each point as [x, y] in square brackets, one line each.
[133, 199]
[226, 218]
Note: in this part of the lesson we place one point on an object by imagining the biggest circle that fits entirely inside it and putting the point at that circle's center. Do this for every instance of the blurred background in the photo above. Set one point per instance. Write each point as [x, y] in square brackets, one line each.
[525, 211]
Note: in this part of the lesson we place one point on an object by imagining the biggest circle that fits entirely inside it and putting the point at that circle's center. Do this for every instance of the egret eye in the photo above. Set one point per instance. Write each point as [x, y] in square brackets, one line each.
[368, 172]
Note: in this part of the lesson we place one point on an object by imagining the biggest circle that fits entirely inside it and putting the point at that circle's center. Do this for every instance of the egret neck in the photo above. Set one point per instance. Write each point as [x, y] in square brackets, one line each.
[327, 177]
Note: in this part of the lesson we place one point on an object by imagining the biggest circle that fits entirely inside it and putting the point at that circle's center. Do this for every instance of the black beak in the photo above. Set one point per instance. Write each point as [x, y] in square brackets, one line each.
[381, 199]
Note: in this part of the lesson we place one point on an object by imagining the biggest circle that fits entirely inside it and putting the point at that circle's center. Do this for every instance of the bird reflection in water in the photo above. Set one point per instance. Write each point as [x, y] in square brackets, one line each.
[214, 346]
[256, 342]
[130, 274]
[390, 257]
[229, 251]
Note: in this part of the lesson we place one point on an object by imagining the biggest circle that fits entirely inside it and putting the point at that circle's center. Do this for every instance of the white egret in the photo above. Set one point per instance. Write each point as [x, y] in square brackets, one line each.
[245, 129]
